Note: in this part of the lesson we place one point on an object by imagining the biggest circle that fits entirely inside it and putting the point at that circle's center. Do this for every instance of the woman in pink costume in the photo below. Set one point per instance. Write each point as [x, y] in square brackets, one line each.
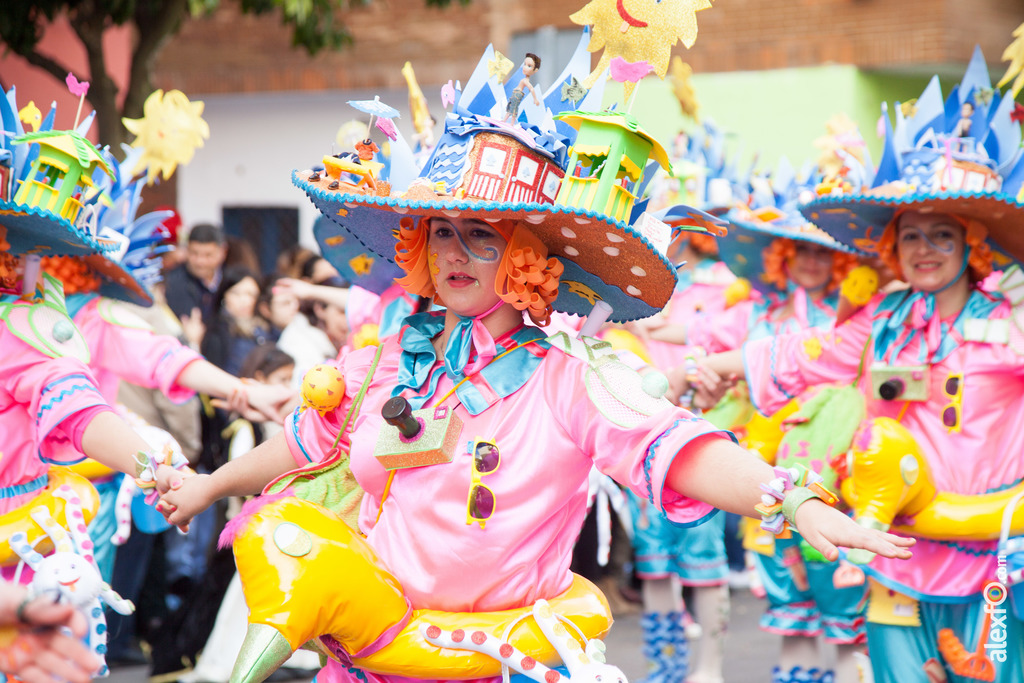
[50, 409]
[494, 527]
[929, 359]
[796, 269]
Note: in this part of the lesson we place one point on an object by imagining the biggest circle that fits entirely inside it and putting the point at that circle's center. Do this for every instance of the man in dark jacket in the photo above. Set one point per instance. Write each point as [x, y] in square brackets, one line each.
[192, 285]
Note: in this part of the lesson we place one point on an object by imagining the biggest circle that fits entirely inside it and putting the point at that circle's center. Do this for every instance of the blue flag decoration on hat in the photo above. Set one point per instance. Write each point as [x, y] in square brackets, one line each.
[571, 176]
[133, 267]
[959, 155]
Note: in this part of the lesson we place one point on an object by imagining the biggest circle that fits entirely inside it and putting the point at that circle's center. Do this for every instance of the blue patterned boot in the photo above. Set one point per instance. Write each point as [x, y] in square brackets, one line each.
[680, 660]
[798, 674]
[660, 647]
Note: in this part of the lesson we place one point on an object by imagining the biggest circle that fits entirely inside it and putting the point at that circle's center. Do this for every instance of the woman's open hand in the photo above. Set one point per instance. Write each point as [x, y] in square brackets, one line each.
[825, 528]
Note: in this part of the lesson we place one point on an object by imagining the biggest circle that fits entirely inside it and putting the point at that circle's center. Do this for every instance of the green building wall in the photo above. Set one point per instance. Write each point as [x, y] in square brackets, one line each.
[776, 113]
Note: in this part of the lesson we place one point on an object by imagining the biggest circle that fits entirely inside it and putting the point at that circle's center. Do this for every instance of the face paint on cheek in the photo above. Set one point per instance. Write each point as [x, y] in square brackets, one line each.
[489, 255]
[432, 266]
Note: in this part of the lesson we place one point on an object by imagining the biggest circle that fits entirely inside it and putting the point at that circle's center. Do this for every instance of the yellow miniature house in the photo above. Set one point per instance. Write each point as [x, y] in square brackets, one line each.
[608, 157]
[63, 169]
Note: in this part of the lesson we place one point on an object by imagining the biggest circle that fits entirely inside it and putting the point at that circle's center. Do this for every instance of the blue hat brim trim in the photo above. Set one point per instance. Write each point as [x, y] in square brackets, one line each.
[610, 249]
[858, 220]
[743, 248]
[31, 230]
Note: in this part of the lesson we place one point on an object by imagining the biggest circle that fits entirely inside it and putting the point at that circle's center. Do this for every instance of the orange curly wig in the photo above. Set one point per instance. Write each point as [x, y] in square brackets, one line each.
[779, 254]
[979, 258]
[704, 244]
[8, 270]
[527, 278]
[75, 273]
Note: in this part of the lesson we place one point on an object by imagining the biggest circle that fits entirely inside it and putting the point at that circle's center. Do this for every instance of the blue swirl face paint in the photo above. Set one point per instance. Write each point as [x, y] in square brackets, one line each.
[942, 243]
[489, 255]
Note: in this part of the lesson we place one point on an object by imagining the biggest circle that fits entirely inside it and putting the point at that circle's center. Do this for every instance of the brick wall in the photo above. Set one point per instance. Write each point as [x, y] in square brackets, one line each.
[231, 52]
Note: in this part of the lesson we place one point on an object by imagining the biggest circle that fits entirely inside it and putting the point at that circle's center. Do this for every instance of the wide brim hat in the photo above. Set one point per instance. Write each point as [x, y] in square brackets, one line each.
[354, 262]
[743, 248]
[932, 163]
[603, 258]
[858, 220]
[30, 230]
[118, 282]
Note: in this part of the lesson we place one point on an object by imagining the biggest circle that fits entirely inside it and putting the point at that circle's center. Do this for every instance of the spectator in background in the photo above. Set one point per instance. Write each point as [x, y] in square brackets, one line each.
[319, 271]
[191, 287]
[277, 305]
[291, 261]
[321, 329]
[241, 253]
[233, 328]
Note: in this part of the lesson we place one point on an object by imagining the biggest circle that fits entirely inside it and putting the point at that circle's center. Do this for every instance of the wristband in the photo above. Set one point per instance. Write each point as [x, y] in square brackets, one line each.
[790, 489]
[690, 373]
[146, 465]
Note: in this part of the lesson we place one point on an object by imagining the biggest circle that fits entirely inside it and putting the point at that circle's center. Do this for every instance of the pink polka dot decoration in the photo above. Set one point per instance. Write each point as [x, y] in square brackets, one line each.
[506, 650]
[458, 635]
[435, 632]
[479, 637]
[552, 676]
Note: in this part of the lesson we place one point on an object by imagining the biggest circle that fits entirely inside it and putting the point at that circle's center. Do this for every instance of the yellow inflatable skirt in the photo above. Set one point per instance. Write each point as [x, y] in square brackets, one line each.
[307, 577]
[20, 519]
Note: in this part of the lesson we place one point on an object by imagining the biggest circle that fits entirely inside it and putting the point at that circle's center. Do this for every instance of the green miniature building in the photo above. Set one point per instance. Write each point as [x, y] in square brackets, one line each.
[608, 158]
[62, 171]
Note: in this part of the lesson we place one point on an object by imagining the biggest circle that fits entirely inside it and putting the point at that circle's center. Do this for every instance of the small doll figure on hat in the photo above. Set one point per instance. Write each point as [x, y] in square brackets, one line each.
[531, 65]
[963, 126]
[366, 149]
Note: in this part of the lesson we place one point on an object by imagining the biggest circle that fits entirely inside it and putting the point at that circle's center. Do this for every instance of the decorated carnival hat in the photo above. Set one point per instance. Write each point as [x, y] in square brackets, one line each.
[47, 177]
[566, 170]
[960, 155]
[132, 267]
[774, 215]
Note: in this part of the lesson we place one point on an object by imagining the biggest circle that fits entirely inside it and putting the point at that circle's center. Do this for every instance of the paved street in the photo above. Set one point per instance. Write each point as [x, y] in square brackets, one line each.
[749, 655]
